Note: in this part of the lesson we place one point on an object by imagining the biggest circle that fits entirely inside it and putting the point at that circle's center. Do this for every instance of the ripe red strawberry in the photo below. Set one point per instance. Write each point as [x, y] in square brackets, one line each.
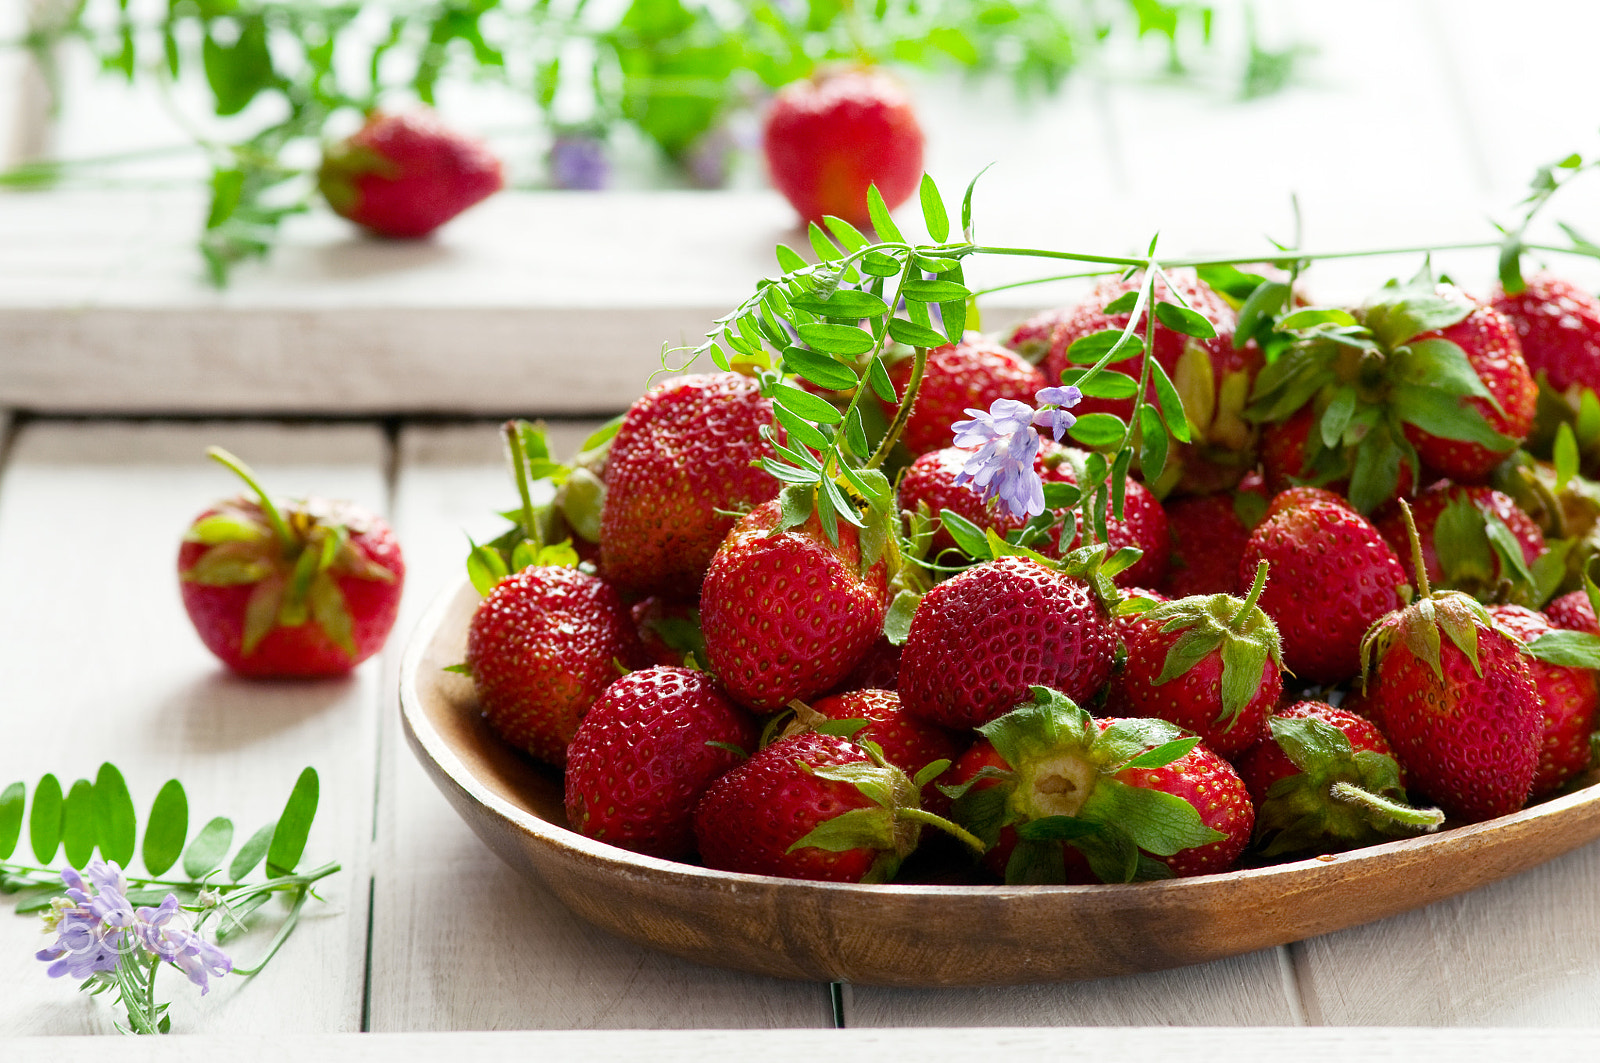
[908, 743]
[1324, 779]
[1461, 545]
[1573, 612]
[1207, 534]
[1456, 700]
[970, 374]
[298, 588]
[1143, 523]
[669, 630]
[788, 615]
[829, 137]
[542, 647]
[1558, 324]
[1213, 377]
[645, 753]
[1210, 664]
[684, 451]
[931, 479]
[1135, 798]
[1332, 576]
[878, 669]
[1290, 497]
[404, 175]
[980, 640]
[811, 806]
[1568, 698]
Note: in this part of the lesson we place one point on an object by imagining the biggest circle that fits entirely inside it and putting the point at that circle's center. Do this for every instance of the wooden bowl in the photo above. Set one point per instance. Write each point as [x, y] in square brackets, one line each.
[928, 935]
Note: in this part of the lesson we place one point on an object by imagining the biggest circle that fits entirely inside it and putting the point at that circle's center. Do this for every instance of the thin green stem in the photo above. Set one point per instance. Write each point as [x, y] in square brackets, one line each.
[1416, 551]
[150, 992]
[519, 469]
[966, 837]
[279, 528]
[1254, 596]
[289, 923]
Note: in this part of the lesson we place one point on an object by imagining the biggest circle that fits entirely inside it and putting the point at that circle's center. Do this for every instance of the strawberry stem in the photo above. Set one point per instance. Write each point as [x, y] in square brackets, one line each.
[279, 527]
[919, 362]
[1416, 551]
[966, 837]
[519, 469]
[1250, 600]
[1383, 809]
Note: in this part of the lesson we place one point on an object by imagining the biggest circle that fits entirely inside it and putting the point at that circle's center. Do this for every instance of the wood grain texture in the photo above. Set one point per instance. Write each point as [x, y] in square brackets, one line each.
[462, 941]
[101, 664]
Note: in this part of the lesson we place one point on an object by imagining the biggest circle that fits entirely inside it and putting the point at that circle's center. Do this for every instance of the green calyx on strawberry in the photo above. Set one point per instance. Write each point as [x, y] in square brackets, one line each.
[558, 522]
[1422, 374]
[289, 588]
[1212, 664]
[1475, 539]
[1060, 787]
[1330, 795]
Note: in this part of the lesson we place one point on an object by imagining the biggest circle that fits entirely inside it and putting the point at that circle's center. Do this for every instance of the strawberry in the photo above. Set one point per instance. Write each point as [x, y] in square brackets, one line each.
[1456, 700]
[683, 453]
[1422, 375]
[1558, 324]
[668, 630]
[1136, 798]
[541, 648]
[878, 669]
[297, 588]
[404, 175]
[908, 743]
[811, 806]
[1290, 497]
[1143, 523]
[1568, 698]
[1207, 534]
[1332, 576]
[788, 614]
[978, 641]
[1324, 779]
[931, 480]
[1573, 612]
[1210, 664]
[1212, 375]
[829, 137]
[1472, 538]
[645, 753]
[972, 373]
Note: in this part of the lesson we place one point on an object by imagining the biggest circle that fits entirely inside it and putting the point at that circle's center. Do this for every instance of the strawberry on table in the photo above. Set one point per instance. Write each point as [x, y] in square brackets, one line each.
[404, 175]
[789, 614]
[1126, 798]
[645, 753]
[281, 589]
[680, 463]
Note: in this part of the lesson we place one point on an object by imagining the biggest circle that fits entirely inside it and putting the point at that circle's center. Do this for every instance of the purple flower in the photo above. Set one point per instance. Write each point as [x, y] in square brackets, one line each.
[1002, 465]
[1057, 420]
[163, 934]
[578, 161]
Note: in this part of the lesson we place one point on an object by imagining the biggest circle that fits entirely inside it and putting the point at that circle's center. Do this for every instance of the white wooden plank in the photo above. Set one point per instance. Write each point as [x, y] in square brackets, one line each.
[1522, 952]
[101, 664]
[1253, 990]
[858, 1046]
[459, 940]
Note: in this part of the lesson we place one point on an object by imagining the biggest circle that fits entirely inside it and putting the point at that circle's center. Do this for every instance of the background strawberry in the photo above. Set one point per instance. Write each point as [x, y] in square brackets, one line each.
[788, 615]
[829, 137]
[1472, 537]
[684, 451]
[541, 648]
[1143, 523]
[1568, 698]
[1573, 612]
[931, 480]
[289, 588]
[1558, 325]
[1207, 535]
[645, 753]
[908, 743]
[970, 374]
[404, 175]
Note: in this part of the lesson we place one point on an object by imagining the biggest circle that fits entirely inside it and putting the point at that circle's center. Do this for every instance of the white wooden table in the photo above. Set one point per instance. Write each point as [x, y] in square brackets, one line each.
[113, 357]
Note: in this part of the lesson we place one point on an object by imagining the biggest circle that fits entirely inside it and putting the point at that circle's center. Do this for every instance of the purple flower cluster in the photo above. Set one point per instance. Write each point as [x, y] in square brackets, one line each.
[1006, 440]
[96, 925]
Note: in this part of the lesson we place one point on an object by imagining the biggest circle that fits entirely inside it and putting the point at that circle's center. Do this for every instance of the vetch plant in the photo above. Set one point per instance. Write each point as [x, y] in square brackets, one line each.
[114, 930]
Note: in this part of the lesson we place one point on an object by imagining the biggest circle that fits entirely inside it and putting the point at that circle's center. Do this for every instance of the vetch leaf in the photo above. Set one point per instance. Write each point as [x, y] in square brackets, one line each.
[1313, 316]
[848, 235]
[1182, 319]
[289, 837]
[825, 248]
[837, 339]
[12, 799]
[914, 335]
[813, 408]
[1122, 304]
[166, 828]
[118, 820]
[1097, 430]
[850, 304]
[78, 826]
[1565, 456]
[938, 291]
[933, 212]
[251, 852]
[878, 377]
[1106, 384]
[205, 853]
[1152, 443]
[789, 259]
[882, 223]
[1569, 649]
[801, 430]
[820, 369]
[968, 536]
[1088, 350]
[1171, 405]
[44, 821]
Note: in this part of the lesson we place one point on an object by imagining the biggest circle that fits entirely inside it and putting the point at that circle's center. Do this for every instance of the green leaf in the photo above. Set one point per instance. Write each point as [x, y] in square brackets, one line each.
[1097, 430]
[939, 291]
[878, 377]
[914, 335]
[1309, 743]
[238, 72]
[1312, 316]
[251, 852]
[878, 264]
[837, 339]
[848, 235]
[1408, 314]
[813, 408]
[1088, 350]
[850, 304]
[897, 619]
[789, 260]
[801, 430]
[44, 821]
[1061, 496]
[166, 828]
[1152, 444]
[118, 820]
[1106, 384]
[1336, 418]
[1442, 414]
[289, 837]
[933, 212]
[78, 824]
[1441, 364]
[1125, 303]
[1171, 404]
[1182, 319]
[1264, 301]
[825, 248]
[12, 799]
[882, 223]
[821, 370]
[485, 568]
[857, 828]
[1244, 668]
[1157, 822]
[855, 435]
[966, 204]
[1565, 456]
[968, 536]
[205, 853]
[1569, 649]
